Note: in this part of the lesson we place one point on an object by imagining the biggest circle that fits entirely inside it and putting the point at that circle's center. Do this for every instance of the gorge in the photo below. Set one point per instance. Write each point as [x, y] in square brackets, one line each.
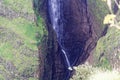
[73, 32]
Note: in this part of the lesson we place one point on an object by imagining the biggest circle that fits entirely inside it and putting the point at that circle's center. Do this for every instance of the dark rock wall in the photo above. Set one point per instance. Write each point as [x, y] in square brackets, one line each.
[78, 33]
[80, 37]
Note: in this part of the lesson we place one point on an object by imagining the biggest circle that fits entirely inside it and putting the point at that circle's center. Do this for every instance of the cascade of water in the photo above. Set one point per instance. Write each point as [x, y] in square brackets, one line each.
[68, 63]
[55, 15]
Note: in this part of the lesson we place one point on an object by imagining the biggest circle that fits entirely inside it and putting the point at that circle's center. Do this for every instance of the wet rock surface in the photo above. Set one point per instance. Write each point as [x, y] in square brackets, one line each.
[80, 38]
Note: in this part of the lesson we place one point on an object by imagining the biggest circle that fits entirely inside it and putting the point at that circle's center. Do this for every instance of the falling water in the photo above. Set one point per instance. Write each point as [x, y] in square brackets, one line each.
[55, 15]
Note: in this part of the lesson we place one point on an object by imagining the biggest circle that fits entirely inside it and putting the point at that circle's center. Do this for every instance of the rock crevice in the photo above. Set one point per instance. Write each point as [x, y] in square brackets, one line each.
[80, 37]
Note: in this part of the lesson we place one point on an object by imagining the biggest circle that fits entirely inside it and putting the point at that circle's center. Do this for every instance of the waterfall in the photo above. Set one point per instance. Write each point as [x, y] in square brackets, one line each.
[56, 20]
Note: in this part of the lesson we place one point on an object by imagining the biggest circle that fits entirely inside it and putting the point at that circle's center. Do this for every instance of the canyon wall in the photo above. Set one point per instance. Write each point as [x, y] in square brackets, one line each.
[82, 29]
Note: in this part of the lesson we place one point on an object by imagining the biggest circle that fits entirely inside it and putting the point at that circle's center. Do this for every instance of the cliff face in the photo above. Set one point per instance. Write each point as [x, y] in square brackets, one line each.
[82, 29]
[83, 26]
[80, 38]
[81, 32]
[106, 53]
[79, 35]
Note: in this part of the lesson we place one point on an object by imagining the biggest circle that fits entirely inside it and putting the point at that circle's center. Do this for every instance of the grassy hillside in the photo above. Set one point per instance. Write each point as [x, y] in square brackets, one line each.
[105, 59]
[107, 51]
[18, 42]
[88, 72]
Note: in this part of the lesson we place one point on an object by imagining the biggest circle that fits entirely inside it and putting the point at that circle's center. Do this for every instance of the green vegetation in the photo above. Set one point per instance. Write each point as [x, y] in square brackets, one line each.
[82, 72]
[24, 6]
[98, 9]
[87, 72]
[18, 48]
[106, 54]
[25, 29]
[19, 38]
[4, 49]
[109, 45]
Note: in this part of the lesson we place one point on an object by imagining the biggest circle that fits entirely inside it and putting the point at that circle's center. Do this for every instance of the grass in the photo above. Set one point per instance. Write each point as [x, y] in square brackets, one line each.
[108, 45]
[99, 10]
[25, 29]
[24, 6]
[23, 58]
[1, 77]
[88, 72]
[6, 51]
[18, 43]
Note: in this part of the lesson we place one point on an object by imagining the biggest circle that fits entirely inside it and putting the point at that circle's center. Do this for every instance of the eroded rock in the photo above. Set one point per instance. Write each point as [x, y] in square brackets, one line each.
[80, 37]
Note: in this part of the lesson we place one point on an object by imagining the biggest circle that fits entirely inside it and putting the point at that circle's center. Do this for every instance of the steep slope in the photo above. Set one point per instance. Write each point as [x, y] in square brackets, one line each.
[106, 53]
[18, 43]
[82, 29]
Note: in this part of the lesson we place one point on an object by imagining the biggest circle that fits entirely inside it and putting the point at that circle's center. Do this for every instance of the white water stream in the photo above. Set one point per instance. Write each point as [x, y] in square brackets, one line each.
[55, 15]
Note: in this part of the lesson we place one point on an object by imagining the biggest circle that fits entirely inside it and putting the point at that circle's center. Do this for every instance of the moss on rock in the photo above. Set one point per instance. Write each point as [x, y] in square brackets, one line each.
[19, 39]
[106, 53]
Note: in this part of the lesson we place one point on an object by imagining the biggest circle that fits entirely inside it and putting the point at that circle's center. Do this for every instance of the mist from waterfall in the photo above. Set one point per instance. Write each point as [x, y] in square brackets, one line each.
[55, 16]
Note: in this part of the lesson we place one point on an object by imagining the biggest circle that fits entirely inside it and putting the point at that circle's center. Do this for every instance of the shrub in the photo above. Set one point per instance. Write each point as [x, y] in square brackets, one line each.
[87, 72]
